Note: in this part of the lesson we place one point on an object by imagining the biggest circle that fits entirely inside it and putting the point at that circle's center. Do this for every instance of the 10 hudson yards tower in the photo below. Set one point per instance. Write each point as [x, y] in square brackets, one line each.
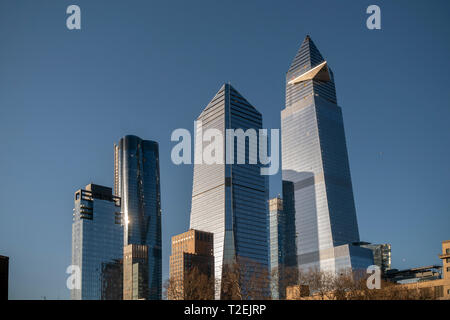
[318, 199]
[230, 199]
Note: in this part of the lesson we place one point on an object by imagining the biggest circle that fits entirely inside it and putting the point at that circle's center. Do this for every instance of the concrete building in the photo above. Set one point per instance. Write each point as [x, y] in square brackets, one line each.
[297, 292]
[428, 282]
[191, 249]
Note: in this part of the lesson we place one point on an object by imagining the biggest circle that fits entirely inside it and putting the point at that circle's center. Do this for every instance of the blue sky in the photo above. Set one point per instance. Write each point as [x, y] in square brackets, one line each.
[148, 67]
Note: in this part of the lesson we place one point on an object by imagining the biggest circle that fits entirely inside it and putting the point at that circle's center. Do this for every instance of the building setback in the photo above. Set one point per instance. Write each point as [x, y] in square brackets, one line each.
[97, 242]
[317, 189]
[137, 182]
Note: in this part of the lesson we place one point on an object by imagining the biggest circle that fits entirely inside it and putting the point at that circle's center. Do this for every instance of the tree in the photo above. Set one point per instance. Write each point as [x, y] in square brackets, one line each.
[245, 279]
[173, 290]
[196, 285]
[320, 283]
[350, 285]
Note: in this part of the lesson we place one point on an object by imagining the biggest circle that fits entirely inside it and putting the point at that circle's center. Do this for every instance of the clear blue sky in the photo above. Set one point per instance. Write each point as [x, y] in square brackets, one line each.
[149, 67]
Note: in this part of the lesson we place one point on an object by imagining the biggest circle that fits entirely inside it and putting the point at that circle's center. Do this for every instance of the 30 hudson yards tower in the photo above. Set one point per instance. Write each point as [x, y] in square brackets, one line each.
[230, 199]
[317, 189]
[137, 183]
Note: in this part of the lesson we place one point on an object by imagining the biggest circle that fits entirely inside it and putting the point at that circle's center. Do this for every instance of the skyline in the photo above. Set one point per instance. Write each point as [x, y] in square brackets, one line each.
[43, 127]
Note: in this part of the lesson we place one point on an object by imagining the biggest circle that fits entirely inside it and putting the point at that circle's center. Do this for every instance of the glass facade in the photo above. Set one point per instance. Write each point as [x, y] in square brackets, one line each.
[381, 254]
[277, 239]
[317, 188]
[230, 200]
[137, 182]
[97, 243]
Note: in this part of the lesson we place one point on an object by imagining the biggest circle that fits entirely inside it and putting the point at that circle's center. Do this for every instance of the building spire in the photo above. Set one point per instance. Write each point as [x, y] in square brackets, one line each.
[307, 57]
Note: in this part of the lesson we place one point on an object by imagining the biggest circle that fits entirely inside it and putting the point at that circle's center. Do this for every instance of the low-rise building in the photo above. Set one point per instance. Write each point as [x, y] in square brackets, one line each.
[191, 249]
[435, 287]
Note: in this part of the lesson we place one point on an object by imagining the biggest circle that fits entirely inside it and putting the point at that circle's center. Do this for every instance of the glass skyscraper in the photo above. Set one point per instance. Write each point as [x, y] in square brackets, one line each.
[97, 243]
[230, 200]
[137, 183]
[317, 188]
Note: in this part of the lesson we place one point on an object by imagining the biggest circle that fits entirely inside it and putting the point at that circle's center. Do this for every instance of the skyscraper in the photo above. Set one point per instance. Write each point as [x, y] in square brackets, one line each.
[97, 241]
[230, 200]
[317, 187]
[137, 183]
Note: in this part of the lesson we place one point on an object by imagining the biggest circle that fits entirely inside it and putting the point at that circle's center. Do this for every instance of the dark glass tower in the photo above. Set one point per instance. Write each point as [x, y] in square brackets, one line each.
[317, 188]
[230, 200]
[137, 182]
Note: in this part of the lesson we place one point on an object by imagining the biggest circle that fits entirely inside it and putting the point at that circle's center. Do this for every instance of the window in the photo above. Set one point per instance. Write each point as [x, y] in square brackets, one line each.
[439, 291]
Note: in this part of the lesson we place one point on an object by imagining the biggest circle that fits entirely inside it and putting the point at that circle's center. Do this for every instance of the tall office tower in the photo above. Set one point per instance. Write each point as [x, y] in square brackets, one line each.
[135, 272]
[230, 200]
[191, 249]
[137, 182]
[97, 240]
[277, 234]
[317, 188]
[4, 274]
[381, 254]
